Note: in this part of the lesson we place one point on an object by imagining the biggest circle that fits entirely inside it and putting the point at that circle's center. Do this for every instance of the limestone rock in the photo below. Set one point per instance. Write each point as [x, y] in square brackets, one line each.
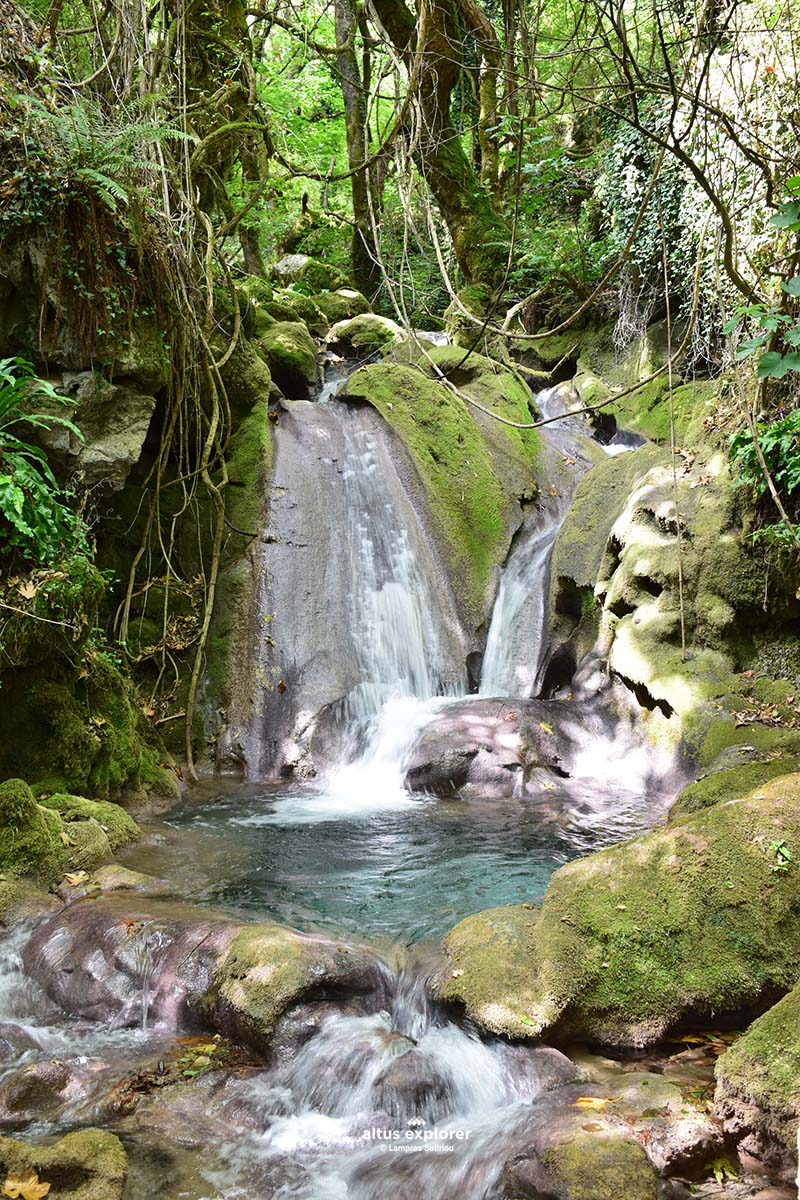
[690, 922]
[114, 419]
[368, 333]
[88, 1165]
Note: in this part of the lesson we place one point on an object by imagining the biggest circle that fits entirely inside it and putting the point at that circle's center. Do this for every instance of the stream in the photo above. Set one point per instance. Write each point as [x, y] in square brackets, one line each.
[409, 1101]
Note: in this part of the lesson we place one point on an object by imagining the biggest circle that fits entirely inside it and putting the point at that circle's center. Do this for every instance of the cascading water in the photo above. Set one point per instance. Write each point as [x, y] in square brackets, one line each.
[395, 624]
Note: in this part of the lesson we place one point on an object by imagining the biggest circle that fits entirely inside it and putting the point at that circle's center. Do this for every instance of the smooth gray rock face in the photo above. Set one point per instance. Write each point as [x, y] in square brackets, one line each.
[114, 419]
[307, 641]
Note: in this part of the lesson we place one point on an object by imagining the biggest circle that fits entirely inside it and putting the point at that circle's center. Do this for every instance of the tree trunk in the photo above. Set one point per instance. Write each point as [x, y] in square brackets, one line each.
[364, 257]
[433, 58]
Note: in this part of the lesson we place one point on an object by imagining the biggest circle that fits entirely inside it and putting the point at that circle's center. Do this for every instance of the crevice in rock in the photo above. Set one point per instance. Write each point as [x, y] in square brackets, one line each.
[644, 697]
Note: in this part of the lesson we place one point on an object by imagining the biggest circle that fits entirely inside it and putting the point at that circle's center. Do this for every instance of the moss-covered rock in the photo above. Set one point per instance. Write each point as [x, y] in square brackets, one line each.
[291, 356]
[758, 1083]
[690, 922]
[118, 825]
[30, 836]
[87, 845]
[341, 305]
[314, 275]
[294, 306]
[55, 612]
[472, 469]
[590, 1168]
[90, 1164]
[246, 377]
[367, 333]
[730, 783]
[268, 968]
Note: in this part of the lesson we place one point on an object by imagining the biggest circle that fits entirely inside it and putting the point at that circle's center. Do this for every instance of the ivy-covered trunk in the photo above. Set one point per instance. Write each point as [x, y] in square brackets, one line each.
[433, 51]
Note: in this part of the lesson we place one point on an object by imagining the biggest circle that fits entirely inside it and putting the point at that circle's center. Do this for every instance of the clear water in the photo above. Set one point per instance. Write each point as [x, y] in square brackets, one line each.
[401, 872]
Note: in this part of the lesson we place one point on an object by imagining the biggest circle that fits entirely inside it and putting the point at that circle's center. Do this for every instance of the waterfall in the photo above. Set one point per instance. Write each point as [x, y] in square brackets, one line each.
[396, 627]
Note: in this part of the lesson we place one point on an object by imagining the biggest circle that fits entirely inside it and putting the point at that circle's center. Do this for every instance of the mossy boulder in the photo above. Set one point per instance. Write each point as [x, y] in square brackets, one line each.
[30, 836]
[267, 968]
[87, 846]
[118, 825]
[56, 610]
[590, 1168]
[341, 305]
[315, 276]
[758, 1084]
[367, 333]
[292, 357]
[90, 1164]
[294, 306]
[731, 783]
[246, 377]
[471, 469]
[690, 923]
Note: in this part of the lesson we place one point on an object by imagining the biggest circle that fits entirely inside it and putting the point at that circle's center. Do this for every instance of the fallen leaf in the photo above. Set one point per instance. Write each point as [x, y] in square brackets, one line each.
[548, 787]
[27, 589]
[547, 728]
[66, 840]
[596, 1103]
[25, 1186]
[592, 1126]
[569, 461]
[457, 973]
[75, 878]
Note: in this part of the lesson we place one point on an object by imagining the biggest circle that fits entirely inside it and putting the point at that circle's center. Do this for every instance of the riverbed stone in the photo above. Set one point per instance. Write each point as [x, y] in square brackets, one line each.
[266, 969]
[90, 1164]
[691, 922]
[758, 1086]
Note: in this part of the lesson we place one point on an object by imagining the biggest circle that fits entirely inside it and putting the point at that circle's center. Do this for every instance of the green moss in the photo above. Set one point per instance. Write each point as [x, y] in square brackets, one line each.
[88, 846]
[368, 332]
[62, 614]
[291, 355]
[30, 836]
[709, 730]
[90, 1164]
[246, 377]
[263, 970]
[588, 1167]
[761, 1072]
[730, 783]
[455, 459]
[341, 305]
[118, 825]
[688, 922]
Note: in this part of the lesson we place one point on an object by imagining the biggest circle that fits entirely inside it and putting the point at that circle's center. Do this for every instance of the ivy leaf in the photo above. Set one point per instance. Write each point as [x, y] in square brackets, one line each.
[788, 216]
[25, 1186]
[773, 365]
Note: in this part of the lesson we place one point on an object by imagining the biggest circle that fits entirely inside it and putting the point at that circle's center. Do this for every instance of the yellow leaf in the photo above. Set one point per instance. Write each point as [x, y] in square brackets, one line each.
[25, 1186]
[27, 589]
[547, 728]
[75, 878]
[593, 1102]
[66, 840]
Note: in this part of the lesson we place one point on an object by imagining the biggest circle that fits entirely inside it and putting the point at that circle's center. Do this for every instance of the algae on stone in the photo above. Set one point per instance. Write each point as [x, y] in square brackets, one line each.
[291, 356]
[688, 922]
[90, 1164]
[118, 825]
[30, 836]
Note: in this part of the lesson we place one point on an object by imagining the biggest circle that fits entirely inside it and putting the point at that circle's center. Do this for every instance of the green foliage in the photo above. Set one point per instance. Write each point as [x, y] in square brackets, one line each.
[36, 520]
[779, 443]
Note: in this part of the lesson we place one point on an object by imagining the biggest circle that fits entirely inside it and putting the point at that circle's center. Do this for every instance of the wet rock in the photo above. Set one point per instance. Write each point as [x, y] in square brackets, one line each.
[412, 1086]
[113, 959]
[116, 878]
[585, 1167]
[88, 1165]
[35, 1092]
[96, 957]
[484, 747]
[266, 969]
[758, 1086]
[688, 923]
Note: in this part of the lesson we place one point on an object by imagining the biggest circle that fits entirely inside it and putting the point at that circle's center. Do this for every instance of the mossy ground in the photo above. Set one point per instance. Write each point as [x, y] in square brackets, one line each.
[688, 922]
[90, 1164]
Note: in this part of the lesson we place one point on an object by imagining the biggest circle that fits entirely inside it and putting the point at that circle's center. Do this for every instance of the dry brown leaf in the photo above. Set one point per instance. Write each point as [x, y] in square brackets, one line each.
[66, 840]
[76, 878]
[27, 589]
[25, 1186]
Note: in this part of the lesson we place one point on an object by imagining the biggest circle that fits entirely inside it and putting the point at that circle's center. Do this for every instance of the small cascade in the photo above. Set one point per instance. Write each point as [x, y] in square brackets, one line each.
[396, 628]
[402, 1099]
[516, 645]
